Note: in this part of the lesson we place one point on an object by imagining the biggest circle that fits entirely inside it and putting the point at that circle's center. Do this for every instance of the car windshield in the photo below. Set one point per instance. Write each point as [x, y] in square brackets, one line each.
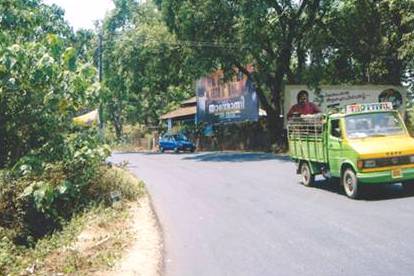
[180, 137]
[373, 124]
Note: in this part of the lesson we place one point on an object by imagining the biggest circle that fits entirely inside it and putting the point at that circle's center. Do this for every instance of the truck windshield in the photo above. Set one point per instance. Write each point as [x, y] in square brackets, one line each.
[373, 124]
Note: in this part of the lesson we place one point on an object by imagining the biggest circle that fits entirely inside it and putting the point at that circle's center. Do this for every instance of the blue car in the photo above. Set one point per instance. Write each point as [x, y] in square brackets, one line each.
[176, 142]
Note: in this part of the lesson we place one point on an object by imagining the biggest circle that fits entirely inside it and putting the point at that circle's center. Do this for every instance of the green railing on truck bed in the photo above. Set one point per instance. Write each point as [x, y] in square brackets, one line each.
[306, 136]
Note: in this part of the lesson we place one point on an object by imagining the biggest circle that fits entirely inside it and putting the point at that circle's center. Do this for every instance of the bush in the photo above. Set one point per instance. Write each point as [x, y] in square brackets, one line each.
[36, 198]
[114, 180]
[14, 259]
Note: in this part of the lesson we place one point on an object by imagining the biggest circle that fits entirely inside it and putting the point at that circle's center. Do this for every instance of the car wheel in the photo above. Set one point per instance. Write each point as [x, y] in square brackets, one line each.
[307, 178]
[192, 149]
[176, 150]
[350, 183]
[162, 149]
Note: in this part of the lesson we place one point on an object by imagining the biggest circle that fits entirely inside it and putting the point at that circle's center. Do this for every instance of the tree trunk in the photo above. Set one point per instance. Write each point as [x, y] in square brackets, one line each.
[273, 119]
[395, 71]
[118, 126]
[301, 62]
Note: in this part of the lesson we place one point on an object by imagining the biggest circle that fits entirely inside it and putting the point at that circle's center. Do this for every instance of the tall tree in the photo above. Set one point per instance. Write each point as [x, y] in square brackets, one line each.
[231, 34]
[144, 74]
[362, 41]
[41, 83]
[115, 94]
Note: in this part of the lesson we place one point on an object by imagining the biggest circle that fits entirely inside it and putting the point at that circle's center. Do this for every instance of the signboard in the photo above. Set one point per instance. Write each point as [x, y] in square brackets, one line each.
[339, 96]
[357, 108]
[231, 101]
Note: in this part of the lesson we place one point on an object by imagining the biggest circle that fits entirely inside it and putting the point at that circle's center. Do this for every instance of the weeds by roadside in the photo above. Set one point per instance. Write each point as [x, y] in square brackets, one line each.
[93, 239]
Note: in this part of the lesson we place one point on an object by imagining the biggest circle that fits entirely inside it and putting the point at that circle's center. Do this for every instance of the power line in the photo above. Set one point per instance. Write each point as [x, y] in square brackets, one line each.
[191, 43]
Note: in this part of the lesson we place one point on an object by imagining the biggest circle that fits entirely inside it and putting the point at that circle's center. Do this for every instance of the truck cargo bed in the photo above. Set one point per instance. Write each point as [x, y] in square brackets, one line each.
[306, 136]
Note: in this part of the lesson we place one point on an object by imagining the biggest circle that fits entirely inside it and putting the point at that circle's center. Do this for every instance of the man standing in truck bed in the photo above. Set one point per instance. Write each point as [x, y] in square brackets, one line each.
[303, 106]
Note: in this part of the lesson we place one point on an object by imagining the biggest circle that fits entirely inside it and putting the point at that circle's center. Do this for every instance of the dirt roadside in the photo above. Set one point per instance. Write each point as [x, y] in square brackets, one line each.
[145, 255]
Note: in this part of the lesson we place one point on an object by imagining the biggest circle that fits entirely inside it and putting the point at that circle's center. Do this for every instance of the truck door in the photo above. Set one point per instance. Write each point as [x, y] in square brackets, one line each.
[335, 150]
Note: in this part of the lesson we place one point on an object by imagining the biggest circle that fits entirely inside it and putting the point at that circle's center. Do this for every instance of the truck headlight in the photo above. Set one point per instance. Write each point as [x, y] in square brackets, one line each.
[370, 164]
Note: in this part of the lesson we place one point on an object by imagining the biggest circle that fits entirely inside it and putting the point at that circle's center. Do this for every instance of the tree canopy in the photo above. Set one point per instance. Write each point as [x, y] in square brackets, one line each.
[308, 41]
[152, 52]
[143, 71]
[42, 84]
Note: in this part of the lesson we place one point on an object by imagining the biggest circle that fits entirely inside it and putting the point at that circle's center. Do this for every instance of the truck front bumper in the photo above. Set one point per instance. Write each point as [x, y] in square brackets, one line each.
[385, 176]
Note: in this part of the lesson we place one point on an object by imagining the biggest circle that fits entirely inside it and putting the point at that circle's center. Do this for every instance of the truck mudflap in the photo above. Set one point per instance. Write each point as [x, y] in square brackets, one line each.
[389, 176]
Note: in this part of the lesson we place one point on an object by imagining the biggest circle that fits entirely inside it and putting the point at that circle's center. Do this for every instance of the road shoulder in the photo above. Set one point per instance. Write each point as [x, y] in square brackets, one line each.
[145, 255]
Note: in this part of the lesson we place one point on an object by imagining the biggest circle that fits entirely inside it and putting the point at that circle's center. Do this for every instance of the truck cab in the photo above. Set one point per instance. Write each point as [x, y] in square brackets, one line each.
[365, 144]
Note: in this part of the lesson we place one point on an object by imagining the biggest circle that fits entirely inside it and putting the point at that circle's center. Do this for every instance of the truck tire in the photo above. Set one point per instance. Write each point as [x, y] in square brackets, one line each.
[307, 178]
[350, 183]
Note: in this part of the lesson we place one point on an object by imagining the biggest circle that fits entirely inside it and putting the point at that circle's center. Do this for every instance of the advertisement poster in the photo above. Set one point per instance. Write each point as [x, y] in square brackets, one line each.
[224, 102]
[338, 96]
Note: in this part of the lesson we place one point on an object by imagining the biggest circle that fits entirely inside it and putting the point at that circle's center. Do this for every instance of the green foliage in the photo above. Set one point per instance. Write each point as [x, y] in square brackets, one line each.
[42, 86]
[47, 163]
[363, 42]
[233, 34]
[306, 42]
[86, 43]
[27, 213]
[54, 254]
[143, 70]
[115, 180]
[37, 199]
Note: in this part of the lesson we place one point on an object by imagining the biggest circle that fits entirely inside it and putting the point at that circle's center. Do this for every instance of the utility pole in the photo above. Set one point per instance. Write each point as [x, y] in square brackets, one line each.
[100, 53]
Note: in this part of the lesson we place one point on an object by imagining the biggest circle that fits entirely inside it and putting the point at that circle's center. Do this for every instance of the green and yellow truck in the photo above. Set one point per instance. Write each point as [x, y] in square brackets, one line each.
[363, 144]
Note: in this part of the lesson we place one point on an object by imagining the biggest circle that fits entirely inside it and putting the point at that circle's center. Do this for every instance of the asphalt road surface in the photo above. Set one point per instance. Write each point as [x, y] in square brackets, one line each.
[247, 214]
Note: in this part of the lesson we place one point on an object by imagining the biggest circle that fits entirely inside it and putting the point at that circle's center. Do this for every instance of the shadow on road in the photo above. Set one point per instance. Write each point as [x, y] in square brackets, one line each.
[236, 157]
[368, 192]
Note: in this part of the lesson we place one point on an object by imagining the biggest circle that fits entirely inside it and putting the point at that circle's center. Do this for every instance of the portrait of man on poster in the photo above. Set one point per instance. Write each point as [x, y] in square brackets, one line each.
[303, 106]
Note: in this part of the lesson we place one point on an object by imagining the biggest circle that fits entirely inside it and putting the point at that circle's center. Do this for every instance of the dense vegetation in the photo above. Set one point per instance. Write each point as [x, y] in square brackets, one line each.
[152, 54]
[308, 42]
[48, 167]
[141, 61]
[143, 72]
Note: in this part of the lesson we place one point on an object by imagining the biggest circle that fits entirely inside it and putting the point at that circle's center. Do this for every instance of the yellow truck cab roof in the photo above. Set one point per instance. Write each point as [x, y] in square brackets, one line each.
[369, 108]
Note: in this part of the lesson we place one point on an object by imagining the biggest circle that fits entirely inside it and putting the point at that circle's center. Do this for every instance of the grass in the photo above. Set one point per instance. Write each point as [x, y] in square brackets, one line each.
[91, 241]
[102, 236]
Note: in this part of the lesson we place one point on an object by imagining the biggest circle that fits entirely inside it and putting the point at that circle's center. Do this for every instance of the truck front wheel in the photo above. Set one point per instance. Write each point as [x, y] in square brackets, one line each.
[350, 183]
[307, 177]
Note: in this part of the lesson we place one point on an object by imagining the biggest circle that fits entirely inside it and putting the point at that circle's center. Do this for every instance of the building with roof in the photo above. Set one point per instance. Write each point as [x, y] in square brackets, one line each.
[186, 113]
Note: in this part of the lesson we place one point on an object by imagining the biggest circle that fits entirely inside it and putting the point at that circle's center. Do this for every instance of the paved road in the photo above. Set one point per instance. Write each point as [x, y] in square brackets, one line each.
[246, 214]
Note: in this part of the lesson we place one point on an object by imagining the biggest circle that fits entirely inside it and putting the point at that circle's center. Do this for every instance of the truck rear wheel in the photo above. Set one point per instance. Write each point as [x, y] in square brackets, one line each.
[307, 178]
[350, 183]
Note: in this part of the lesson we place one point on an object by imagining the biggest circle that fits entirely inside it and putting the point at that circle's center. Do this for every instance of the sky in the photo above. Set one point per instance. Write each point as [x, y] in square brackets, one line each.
[82, 13]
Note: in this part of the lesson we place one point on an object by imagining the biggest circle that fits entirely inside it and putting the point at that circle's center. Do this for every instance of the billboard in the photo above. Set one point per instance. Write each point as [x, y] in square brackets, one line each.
[224, 102]
[339, 96]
